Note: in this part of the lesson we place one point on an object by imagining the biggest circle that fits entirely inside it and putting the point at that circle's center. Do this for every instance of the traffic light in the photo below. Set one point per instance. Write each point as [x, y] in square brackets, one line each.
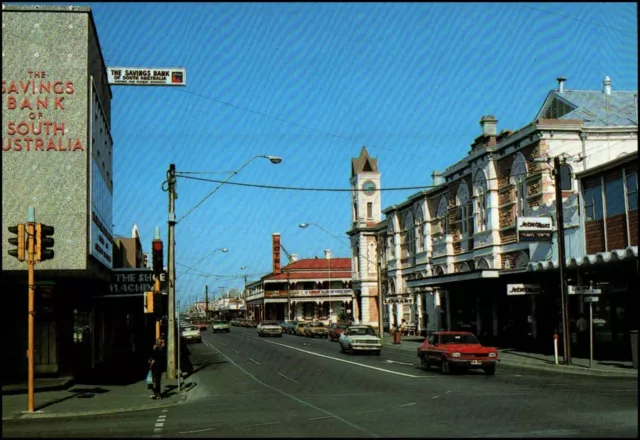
[44, 242]
[148, 302]
[158, 304]
[158, 265]
[18, 241]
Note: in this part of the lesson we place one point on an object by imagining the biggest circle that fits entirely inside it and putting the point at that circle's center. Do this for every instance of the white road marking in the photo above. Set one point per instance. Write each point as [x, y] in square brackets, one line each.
[223, 344]
[310, 405]
[263, 424]
[389, 361]
[447, 392]
[165, 410]
[255, 361]
[371, 411]
[159, 425]
[287, 377]
[320, 418]
[409, 404]
[435, 397]
[162, 417]
[197, 430]
[539, 433]
[235, 350]
[343, 360]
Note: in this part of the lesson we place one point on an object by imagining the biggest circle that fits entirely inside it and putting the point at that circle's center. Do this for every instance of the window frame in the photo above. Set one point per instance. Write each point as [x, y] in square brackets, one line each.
[615, 192]
[593, 189]
[629, 194]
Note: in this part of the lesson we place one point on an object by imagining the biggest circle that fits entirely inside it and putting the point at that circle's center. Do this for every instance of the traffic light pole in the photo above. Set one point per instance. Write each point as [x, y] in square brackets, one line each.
[31, 262]
[206, 303]
[171, 343]
[156, 291]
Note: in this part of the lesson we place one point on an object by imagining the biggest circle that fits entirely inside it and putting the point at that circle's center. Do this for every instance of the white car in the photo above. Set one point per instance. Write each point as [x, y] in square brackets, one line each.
[220, 326]
[269, 328]
[359, 338]
[191, 334]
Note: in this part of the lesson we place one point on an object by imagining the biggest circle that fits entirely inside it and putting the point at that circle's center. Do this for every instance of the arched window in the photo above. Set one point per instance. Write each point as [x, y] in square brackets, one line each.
[566, 181]
[522, 260]
[409, 236]
[442, 221]
[391, 247]
[518, 178]
[482, 201]
[420, 226]
[466, 213]
[482, 264]
[438, 271]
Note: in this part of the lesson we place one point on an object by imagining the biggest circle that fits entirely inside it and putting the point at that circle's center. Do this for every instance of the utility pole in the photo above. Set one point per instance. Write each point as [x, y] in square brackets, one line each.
[244, 291]
[566, 339]
[31, 263]
[171, 346]
[206, 301]
[380, 303]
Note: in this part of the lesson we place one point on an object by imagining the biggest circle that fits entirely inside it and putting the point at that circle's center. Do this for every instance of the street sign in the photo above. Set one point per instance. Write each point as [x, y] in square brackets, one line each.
[591, 299]
[583, 290]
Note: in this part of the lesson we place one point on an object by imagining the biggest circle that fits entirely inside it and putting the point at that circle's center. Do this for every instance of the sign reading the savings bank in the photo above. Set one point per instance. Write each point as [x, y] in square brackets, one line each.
[534, 228]
[147, 76]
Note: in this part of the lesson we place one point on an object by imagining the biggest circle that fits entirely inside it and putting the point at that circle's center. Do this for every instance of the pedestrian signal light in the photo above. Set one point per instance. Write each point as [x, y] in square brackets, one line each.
[148, 302]
[44, 242]
[157, 258]
[18, 241]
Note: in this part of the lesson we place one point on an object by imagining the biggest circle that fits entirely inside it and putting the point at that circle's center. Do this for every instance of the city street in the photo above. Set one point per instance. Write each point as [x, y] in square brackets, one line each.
[247, 386]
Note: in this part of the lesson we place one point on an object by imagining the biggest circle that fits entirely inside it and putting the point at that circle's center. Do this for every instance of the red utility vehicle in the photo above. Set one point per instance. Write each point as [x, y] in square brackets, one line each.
[451, 350]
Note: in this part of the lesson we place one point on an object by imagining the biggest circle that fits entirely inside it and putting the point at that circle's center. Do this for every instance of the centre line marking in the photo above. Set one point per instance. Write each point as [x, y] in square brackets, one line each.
[409, 404]
[287, 377]
[447, 392]
[310, 405]
[235, 350]
[435, 397]
[371, 411]
[255, 361]
[197, 430]
[341, 360]
[223, 344]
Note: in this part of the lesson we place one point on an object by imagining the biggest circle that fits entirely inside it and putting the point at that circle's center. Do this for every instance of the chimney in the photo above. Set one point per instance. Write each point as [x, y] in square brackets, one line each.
[489, 125]
[294, 258]
[561, 80]
[607, 86]
[275, 239]
[327, 254]
[437, 178]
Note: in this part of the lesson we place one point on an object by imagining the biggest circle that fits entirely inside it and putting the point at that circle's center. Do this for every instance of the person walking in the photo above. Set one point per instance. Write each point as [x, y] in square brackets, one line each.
[156, 365]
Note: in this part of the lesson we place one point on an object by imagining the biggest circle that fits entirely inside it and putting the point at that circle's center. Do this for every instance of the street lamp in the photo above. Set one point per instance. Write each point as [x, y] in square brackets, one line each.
[170, 186]
[378, 271]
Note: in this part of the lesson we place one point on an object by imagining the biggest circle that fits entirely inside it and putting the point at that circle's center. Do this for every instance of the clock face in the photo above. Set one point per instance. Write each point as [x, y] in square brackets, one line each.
[369, 187]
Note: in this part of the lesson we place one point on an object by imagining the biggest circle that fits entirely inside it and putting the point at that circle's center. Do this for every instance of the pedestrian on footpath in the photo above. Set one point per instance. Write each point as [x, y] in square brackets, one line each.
[156, 365]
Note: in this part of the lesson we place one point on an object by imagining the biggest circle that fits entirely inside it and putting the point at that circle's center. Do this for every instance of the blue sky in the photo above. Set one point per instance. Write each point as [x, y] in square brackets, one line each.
[313, 83]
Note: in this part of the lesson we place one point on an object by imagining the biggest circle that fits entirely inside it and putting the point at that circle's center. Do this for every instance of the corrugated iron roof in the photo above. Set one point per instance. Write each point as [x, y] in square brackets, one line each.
[598, 109]
[319, 263]
[588, 260]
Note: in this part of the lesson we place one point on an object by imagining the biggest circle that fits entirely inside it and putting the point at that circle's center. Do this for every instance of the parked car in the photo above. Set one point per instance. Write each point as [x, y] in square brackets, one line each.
[191, 333]
[336, 329]
[453, 350]
[269, 328]
[253, 324]
[220, 326]
[359, 338]
[299, 331]
[288, 326]
[316, 328]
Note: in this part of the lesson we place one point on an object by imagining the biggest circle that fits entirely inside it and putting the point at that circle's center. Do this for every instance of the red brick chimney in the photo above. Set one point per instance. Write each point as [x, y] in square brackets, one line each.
[276, 252]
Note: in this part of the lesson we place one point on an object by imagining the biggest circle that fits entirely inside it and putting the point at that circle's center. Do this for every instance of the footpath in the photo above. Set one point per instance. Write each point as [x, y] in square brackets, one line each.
[102, 392]
[536, 361]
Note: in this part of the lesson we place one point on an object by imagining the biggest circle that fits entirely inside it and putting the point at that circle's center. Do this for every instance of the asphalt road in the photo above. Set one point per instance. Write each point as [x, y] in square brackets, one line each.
[293, 386]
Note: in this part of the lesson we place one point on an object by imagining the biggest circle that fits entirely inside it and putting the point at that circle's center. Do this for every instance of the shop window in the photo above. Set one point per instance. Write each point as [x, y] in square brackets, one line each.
[632, 191]
[614, 193]
[593, 203]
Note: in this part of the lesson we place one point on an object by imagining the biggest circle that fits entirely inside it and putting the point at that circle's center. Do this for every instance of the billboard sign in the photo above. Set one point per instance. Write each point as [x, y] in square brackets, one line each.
[534, 228]
[147, 76]
[523, 289]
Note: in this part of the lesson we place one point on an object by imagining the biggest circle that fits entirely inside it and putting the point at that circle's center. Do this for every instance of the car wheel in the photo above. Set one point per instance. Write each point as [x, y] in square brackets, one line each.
[424, 363]
[490, 370]
[350, 348]
[341, 347]
[444, 366]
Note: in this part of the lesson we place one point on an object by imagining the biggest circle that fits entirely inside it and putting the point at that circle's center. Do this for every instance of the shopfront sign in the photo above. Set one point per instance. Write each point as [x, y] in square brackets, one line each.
[583, 290]
[399, 300]
[147, 76]
[135, 281]
[534, 228]
[523, 289]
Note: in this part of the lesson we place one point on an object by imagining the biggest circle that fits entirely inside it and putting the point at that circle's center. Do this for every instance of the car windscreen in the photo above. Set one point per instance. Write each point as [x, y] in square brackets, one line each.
[220, 322]
[271, 323]
[458, 339]
[362, 332]
[191, 328]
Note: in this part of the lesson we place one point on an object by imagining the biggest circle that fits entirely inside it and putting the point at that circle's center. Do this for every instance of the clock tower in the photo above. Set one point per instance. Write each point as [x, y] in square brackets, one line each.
[366, 214]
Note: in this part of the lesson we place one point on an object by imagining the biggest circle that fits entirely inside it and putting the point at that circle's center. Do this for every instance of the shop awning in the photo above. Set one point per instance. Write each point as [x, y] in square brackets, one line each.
[588, 260]
[445, 279]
